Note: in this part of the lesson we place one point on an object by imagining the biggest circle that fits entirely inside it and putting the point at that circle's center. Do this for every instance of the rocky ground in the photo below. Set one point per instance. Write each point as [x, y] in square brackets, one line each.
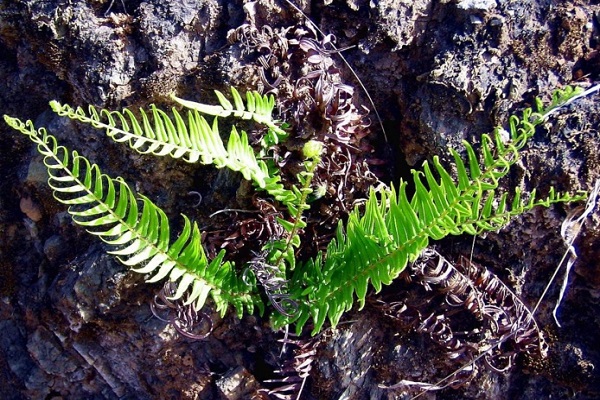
[76, 324]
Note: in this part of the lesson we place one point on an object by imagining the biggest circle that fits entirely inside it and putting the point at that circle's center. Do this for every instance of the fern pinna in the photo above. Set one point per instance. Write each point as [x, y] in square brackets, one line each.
[372, 248]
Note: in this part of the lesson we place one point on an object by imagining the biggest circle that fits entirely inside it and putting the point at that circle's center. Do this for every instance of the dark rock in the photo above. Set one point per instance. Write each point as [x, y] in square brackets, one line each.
[237, 384]
[54, 248]
[75, 323]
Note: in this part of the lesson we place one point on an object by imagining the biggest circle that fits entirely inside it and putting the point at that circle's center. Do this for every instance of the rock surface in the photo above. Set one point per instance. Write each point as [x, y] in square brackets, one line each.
[76, 324]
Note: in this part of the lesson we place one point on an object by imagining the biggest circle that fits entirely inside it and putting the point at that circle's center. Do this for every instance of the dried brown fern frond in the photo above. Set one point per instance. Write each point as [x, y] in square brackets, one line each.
[501, 326]
[294, 370]
[185, 318]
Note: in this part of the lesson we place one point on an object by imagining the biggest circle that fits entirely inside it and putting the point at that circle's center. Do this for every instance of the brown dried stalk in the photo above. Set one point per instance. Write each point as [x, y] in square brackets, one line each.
[293, 371]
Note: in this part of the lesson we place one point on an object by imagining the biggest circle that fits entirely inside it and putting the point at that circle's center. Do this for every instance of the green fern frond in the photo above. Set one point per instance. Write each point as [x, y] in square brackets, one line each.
[375, 246]
[193, 141]
[284, 249]
[138, 236]
[257, 107]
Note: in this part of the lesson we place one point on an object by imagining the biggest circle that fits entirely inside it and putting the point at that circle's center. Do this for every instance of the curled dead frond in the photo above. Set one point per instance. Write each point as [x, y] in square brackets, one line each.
[293, 61]
[274, 283]
[503, 326]
[186, 320]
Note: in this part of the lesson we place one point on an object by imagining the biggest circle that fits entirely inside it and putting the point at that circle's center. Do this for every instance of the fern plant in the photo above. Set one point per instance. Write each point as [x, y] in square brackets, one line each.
[377, 243]
[196, 140]
[371, 249]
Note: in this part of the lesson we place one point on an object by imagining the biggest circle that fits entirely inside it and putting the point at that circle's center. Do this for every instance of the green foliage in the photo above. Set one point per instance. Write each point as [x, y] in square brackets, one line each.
[284, 250]
[371, 249]
[156, 133]
[376, 244]
[258, 108]
[140, 238]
